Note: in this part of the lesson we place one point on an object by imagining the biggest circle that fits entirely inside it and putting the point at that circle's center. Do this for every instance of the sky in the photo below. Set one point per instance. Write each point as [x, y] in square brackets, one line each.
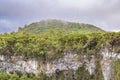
[104, 14]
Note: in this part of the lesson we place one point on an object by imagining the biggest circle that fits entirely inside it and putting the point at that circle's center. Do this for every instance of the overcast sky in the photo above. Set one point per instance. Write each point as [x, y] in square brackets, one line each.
[102, 13]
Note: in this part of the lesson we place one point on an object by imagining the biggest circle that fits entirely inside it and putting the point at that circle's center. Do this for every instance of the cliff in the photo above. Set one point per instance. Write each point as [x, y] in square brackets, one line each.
[69, 64]
[62, 56]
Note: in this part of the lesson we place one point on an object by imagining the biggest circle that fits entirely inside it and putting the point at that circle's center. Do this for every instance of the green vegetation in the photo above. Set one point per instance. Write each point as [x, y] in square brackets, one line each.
[52, 46]
[59, 26]
[15, 76]
[55, 38]
[83, 74]
[116, 66]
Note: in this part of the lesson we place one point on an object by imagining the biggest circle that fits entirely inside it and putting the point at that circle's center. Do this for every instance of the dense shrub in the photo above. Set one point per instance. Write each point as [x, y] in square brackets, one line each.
[53, 45]
[50, 46]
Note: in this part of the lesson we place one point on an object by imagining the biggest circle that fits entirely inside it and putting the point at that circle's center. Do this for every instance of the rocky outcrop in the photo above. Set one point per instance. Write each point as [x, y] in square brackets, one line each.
[70, 61]
[106, 63]
[17, 63]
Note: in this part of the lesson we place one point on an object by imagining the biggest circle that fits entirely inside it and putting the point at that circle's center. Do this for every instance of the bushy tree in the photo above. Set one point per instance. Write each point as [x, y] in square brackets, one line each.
[14, 76]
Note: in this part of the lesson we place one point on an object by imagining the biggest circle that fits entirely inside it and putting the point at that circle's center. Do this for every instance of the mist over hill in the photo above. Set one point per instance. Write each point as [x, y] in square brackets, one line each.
[59, 26]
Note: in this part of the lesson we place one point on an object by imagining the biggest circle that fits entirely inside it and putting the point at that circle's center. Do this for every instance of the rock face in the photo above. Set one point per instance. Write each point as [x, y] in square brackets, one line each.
[17, 63]
[90, 65]
[69, 61]
[106, 63]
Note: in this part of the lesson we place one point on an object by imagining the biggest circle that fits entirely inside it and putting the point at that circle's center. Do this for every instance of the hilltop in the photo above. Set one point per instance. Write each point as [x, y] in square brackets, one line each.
[59, 26]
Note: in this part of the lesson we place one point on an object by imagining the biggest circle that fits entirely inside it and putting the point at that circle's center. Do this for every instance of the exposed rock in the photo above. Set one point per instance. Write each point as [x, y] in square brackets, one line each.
[90, 66]
[106, 63]
[70, 61]
[17, 63]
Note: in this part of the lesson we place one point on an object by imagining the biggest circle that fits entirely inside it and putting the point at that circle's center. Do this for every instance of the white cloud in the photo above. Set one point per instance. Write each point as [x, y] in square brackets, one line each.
[102, 13]
[86, 4]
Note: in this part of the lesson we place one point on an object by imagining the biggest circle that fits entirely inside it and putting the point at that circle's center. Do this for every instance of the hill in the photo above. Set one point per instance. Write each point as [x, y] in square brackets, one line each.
[60, 56]
[61, 26]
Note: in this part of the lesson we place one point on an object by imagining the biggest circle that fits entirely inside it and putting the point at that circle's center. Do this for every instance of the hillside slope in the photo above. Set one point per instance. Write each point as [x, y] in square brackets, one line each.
[61, 26]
